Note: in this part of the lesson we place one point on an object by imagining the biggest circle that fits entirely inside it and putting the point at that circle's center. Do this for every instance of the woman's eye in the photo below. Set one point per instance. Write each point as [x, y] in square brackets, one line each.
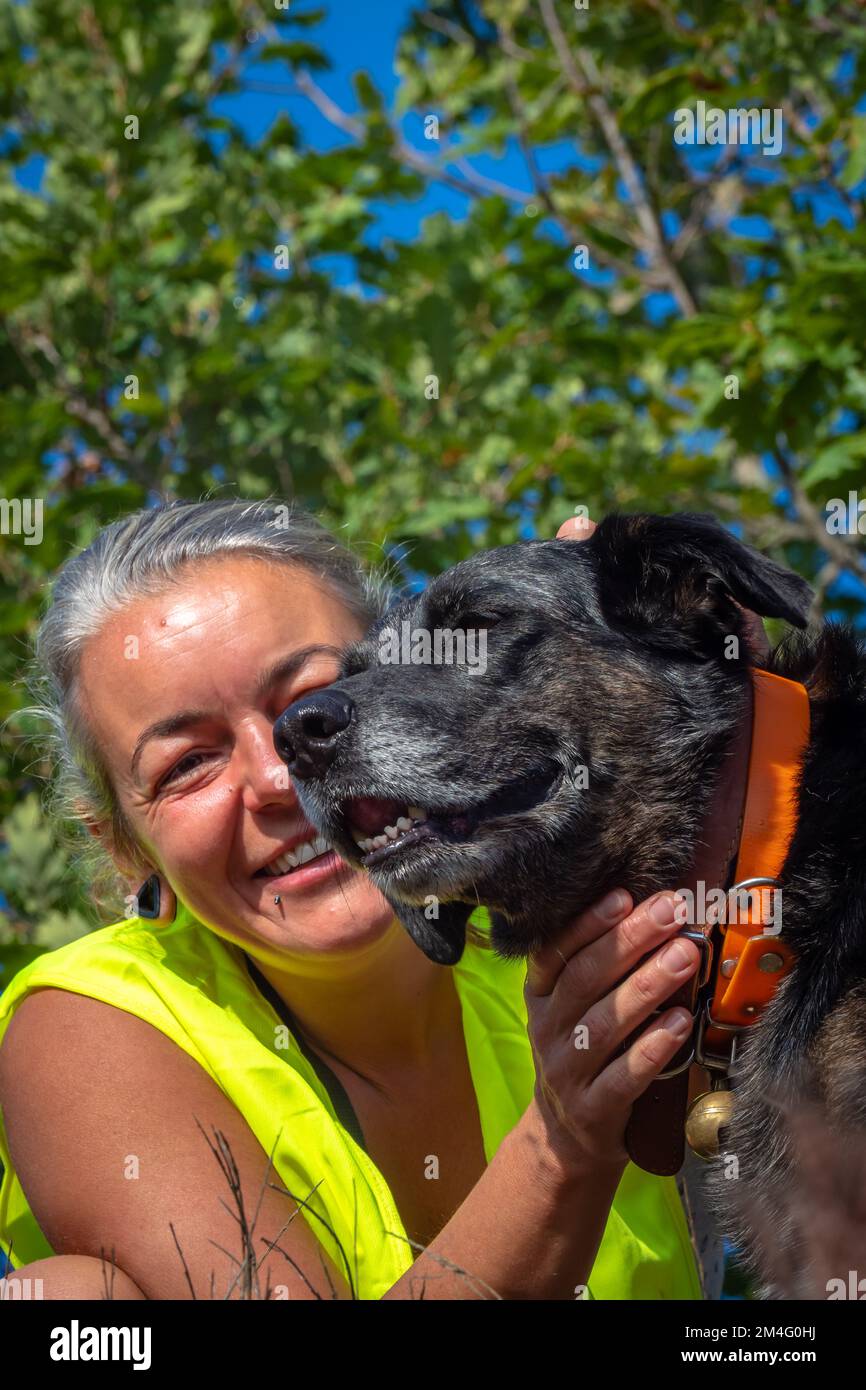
[187, 763]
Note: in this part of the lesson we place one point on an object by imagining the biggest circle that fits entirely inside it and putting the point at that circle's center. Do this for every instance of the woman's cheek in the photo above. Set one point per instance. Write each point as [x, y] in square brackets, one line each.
[195, 830]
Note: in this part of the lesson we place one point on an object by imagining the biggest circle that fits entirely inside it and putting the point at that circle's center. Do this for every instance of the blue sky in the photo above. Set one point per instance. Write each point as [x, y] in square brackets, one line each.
[364, 38]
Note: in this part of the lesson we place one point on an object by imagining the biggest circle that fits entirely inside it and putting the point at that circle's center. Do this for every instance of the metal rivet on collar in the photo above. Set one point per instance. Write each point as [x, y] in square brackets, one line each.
[770, 962]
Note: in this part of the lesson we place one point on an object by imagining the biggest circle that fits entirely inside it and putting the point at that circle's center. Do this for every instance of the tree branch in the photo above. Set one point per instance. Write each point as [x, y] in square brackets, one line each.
[629, 172]
[76, 404]
[472, 184]
[843, 550]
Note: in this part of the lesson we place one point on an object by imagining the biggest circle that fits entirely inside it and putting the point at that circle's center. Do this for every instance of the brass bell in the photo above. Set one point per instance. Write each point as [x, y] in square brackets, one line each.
[707, 1114]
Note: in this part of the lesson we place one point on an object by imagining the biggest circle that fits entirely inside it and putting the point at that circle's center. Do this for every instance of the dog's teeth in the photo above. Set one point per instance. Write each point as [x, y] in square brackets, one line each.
[392, 832]
[380, 840]
[365, 845]
[403, 823]
[416, 813]
[359, 838]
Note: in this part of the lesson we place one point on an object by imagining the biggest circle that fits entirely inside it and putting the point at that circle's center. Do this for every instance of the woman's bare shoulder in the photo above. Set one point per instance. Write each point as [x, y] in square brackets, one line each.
[53, 1031]
[114, 1132]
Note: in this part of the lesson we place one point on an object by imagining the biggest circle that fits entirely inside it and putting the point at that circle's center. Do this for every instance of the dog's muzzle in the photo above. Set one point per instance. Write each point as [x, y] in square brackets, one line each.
[308, 733]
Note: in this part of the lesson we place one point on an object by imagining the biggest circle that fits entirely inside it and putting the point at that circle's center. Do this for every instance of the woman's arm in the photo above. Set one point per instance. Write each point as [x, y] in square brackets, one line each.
[76, 1277]
[90, 1095]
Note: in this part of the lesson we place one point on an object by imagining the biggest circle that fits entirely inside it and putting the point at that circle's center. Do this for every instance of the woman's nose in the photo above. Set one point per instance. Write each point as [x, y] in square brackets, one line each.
[265, 776]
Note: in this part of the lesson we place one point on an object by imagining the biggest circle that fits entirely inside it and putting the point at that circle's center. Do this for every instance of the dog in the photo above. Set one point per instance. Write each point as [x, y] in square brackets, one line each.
[585, 756]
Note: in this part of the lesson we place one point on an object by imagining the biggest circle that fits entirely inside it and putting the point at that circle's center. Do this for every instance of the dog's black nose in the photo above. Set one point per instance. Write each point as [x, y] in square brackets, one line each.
[307, 733]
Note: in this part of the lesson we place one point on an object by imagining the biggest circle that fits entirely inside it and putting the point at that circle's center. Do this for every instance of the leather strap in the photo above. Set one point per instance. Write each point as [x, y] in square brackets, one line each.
[655, 1134]
[343, 1107]
[754, 808]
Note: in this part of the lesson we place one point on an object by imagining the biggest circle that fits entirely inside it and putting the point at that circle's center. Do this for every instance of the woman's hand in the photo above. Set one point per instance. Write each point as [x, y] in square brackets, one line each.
[584, 997]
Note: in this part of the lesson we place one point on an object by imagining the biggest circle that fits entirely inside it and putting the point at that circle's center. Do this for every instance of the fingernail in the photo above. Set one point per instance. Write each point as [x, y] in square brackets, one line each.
[614, 905]
[678, 1024]
[677, 956]
[663, 910]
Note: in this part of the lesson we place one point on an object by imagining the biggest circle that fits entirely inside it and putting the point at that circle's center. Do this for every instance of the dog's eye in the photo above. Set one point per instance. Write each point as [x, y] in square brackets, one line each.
[473, 619]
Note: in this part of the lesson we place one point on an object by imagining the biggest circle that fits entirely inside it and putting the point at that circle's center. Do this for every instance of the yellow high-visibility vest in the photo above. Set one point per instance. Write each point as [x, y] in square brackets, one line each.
[196, 988]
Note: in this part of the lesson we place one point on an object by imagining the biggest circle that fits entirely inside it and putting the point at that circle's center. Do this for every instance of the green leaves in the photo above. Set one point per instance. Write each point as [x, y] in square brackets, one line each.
[855, 166]
[844, 459]
[35, 880]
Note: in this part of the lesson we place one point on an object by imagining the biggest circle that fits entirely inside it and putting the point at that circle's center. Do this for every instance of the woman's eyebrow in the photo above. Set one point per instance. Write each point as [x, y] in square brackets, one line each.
[291, 665]
[281, 670]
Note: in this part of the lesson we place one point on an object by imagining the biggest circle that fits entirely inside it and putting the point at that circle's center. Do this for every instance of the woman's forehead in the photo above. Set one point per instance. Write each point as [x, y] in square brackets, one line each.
[211, 630]
[238, 595]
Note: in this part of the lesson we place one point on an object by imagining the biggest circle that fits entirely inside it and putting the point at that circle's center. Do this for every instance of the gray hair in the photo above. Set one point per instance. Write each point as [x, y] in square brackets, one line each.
[144, 554]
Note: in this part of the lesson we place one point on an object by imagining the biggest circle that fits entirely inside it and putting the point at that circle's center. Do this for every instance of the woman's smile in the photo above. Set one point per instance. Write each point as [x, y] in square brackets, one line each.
[319, 870]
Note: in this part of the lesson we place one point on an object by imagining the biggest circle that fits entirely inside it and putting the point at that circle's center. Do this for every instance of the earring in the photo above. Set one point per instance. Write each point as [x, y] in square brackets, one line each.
[154, 904]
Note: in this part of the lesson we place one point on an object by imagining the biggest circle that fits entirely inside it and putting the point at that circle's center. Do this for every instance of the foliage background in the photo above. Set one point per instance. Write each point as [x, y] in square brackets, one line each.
[557, 386]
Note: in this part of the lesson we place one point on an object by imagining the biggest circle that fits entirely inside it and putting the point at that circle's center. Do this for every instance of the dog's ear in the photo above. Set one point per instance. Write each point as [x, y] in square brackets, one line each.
[442, 940]
[673, 577]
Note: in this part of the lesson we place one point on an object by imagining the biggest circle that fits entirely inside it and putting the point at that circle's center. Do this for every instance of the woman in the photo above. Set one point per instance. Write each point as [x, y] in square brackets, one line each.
[437, 1130]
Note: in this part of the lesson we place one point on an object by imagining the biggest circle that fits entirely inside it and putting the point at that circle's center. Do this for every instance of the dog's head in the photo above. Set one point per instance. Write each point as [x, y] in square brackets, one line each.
[536, 725]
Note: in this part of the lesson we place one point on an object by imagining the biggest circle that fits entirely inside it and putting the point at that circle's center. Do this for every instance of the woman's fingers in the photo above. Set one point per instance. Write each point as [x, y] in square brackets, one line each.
[547, 963]
[600, 945]
[627, 1077]
[576, 528]
[609, 1022]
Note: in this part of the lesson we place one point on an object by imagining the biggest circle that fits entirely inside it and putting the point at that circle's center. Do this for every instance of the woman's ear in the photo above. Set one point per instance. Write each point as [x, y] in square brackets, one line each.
[148, 892]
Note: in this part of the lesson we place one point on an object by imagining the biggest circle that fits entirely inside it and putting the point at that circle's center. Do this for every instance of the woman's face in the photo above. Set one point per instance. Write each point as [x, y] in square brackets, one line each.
[183, 690]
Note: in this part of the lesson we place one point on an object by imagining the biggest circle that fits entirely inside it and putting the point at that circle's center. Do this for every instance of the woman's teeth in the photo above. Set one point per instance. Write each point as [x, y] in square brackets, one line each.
[293, 859]
[414, 816]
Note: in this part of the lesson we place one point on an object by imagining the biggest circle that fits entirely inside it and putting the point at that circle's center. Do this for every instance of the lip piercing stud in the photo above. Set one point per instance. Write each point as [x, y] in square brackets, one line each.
[277, 898]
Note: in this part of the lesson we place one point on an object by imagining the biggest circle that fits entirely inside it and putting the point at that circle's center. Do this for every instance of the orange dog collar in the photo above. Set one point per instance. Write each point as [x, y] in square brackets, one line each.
[753, 955]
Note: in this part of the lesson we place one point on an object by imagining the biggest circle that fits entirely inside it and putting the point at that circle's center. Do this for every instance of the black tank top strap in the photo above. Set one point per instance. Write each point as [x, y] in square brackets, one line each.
[332, 1083]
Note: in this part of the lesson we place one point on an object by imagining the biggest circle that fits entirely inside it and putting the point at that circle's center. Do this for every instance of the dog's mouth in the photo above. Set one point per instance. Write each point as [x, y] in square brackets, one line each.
[385, 829]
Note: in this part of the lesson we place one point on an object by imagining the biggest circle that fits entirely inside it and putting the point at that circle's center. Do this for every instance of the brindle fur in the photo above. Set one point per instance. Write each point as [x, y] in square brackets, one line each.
[612, 654]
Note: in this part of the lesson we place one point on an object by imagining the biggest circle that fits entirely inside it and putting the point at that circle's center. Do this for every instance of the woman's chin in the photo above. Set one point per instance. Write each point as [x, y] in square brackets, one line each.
[351, 917]
[318, 940]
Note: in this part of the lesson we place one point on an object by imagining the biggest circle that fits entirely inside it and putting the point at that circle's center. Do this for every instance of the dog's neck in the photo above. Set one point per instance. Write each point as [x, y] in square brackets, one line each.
[677, 825]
